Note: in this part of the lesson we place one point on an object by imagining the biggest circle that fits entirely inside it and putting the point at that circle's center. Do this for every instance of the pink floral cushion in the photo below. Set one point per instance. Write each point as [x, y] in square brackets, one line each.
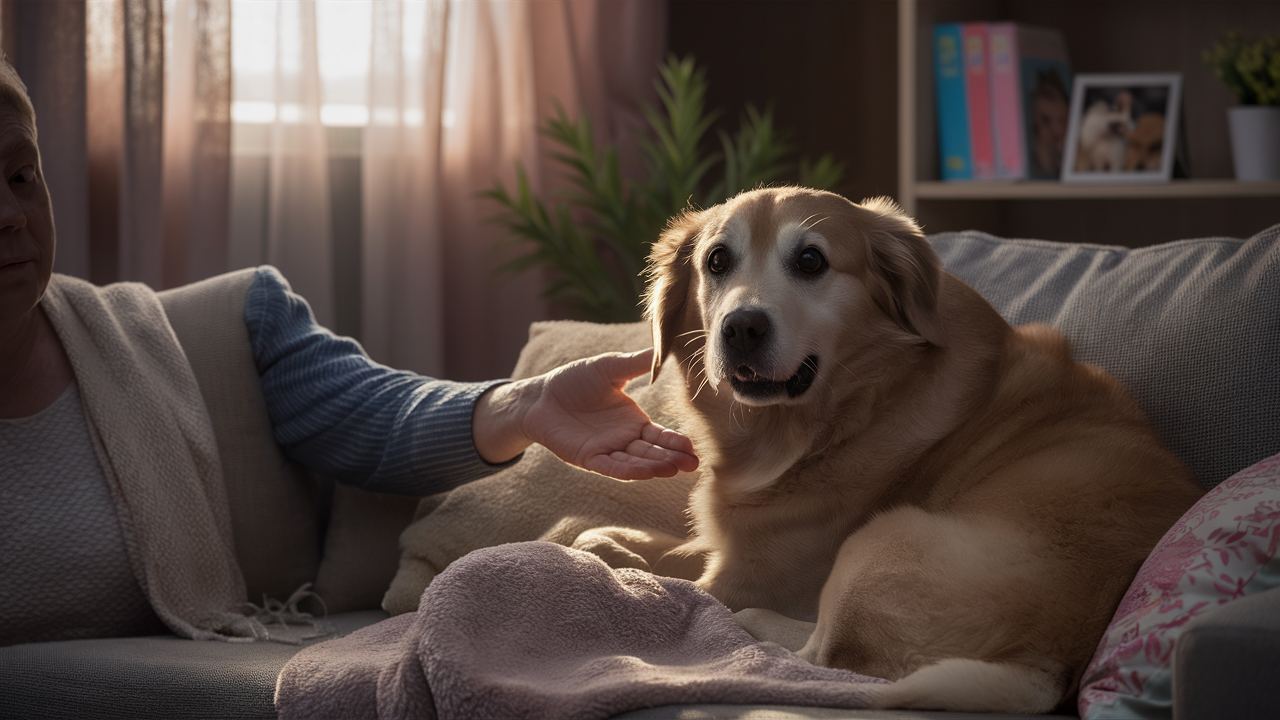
[1220, 550]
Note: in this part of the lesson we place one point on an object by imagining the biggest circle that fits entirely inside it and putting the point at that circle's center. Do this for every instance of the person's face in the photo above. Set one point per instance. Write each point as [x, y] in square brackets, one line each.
[1049, 130]
[1050, 119]
[26, 217]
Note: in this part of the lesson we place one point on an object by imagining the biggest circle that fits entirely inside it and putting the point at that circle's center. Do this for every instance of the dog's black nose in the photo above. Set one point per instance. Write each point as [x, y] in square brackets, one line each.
[744, 330]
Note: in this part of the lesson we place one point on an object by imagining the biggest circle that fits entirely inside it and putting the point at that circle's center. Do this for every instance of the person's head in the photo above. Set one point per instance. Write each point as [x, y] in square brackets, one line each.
[27, 240]
[1049, 110]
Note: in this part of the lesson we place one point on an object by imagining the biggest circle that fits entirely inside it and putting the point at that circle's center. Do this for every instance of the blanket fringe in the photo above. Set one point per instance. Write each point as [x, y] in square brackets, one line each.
[273, 612]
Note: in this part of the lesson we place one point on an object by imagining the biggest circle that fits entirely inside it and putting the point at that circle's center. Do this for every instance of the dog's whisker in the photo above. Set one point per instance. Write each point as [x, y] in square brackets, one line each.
[805, 223]
[705, 381]
[846, 369]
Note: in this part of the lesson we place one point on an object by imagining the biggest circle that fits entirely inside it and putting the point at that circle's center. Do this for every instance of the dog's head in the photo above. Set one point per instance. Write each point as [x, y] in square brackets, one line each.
[1144, 146]
[765, 293]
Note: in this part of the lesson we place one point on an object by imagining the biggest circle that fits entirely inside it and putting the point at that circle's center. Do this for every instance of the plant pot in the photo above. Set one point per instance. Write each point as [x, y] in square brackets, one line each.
[1255, 141]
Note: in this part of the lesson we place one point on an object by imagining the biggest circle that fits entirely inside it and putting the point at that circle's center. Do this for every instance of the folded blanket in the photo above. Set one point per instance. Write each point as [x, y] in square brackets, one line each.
[535, 629]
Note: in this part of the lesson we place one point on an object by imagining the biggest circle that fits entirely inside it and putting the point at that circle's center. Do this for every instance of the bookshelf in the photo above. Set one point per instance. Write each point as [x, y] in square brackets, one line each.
[1113, 36]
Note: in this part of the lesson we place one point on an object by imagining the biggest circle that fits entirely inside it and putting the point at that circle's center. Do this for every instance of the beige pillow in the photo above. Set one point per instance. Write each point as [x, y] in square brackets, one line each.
[541, 497]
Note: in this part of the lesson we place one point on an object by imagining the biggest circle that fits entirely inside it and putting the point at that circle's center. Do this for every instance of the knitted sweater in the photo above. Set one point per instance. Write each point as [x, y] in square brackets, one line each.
[343, 415]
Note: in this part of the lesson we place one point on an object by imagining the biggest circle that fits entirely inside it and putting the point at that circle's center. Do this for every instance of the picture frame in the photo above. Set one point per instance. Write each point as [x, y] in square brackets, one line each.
[1123, 127]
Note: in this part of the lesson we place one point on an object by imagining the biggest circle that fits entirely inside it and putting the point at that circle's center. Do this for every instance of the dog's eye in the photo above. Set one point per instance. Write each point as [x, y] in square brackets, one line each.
[811, 260]
[718, 260]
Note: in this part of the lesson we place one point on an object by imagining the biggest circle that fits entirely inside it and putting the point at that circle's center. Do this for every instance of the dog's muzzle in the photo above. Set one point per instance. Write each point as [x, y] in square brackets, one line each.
[746, 339]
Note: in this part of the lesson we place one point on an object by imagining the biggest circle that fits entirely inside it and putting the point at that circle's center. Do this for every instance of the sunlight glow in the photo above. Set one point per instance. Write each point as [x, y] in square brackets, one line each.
[344, 34]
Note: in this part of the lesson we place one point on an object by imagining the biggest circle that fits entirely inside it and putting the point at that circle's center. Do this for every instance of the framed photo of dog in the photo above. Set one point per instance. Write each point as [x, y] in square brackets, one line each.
[1122, 127]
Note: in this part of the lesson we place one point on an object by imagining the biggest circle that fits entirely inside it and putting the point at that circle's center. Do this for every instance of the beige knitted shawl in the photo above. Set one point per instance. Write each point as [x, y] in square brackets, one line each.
[155, 442]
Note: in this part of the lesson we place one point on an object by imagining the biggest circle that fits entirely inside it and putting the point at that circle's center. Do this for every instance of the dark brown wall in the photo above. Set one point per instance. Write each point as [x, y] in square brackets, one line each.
[829, 67]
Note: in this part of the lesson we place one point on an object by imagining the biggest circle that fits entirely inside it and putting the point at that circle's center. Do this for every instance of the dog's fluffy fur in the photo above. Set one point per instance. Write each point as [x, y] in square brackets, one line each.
[953, 502]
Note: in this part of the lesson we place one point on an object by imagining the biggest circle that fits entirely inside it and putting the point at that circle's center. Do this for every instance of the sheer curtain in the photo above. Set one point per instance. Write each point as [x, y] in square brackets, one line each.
[403, 278]
[132, 100]
[455, 105]
[143, 146]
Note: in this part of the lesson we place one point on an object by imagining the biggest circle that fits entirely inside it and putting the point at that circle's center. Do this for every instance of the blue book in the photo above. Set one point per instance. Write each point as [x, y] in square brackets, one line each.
[954, 150]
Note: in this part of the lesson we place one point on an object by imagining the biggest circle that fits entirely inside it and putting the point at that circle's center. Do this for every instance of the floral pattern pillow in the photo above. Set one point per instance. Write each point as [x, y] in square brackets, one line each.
[1222, 549]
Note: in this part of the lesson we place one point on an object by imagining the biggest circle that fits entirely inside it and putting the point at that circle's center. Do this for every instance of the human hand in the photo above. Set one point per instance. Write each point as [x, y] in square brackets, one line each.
[580, 413]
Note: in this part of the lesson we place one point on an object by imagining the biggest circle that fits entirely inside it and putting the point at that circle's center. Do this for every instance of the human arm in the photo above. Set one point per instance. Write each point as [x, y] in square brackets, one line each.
[343, 415]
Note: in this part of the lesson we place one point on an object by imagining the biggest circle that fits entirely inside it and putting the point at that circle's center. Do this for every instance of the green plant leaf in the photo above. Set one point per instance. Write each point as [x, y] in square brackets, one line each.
[1250, 68]
[824, 174]
[594, 235]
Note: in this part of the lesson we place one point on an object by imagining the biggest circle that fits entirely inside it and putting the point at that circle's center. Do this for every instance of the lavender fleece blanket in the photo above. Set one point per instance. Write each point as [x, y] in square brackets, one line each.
[537, 630]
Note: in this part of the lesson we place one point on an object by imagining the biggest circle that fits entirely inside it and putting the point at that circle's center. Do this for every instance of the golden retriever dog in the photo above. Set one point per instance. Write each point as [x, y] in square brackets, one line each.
[951, 502]
[1144, 147]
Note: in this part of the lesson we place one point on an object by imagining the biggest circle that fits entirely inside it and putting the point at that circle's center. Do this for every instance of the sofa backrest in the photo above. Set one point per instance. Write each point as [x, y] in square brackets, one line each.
[290, 525]
[1192, 328]
[273, 500]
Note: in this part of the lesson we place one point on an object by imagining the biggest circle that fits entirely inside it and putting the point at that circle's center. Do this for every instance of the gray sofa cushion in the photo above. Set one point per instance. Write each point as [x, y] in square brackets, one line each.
[149, 677]
[1226, 662]
[1192, 328]
[273, 515]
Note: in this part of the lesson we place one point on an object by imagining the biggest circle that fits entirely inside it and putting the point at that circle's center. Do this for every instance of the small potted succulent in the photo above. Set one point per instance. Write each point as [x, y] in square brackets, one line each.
[1250, 67]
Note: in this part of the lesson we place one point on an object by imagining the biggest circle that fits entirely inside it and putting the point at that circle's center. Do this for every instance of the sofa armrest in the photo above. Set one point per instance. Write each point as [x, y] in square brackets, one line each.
[1225, 661]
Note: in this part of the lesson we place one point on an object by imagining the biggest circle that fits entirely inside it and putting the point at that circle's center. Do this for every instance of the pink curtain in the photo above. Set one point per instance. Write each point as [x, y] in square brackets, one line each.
[431, 299]
[134, 106]
[299, 235]
[402, 281]
[136, 152]
[45, 42]
[197, 140]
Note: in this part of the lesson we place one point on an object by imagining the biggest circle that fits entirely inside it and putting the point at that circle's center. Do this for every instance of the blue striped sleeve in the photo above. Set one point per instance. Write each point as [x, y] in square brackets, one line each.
[343, 415]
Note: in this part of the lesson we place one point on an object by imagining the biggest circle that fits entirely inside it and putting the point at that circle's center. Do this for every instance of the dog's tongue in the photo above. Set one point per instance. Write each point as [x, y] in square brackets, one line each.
[745, 373]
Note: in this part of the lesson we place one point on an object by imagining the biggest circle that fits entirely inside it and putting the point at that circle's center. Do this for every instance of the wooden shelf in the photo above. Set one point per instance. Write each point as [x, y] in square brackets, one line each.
[1051, 190]
[1099, 40]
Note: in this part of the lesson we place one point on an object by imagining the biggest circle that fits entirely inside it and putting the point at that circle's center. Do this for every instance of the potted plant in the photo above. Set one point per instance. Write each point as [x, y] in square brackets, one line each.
[1250, 67]
[595, 236]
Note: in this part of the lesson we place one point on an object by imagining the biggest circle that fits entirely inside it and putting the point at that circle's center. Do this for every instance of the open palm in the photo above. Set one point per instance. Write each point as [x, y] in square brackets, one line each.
[582, 415]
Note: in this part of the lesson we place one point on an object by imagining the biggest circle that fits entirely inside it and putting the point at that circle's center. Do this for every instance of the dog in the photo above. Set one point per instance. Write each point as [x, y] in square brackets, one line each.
[1144, 146]
[1104, 129]
[896, 480]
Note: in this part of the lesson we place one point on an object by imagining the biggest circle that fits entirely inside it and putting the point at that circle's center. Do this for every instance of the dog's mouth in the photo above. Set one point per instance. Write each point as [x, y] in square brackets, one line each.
[749, 383]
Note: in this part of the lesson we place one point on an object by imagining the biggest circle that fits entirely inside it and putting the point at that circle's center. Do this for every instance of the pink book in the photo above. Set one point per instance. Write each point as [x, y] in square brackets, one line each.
[978, 88]
[1006, 100]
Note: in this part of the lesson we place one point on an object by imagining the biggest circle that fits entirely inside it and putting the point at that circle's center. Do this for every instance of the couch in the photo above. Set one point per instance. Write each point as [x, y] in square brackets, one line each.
[1191, 327]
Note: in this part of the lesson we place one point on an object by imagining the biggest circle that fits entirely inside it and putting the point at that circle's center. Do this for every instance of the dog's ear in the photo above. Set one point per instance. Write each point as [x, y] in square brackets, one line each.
[670, 276]
[904, 271]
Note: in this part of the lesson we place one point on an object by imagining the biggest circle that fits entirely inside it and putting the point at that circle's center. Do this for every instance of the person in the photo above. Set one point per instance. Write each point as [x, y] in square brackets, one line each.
[331, 408]
[1049, 110]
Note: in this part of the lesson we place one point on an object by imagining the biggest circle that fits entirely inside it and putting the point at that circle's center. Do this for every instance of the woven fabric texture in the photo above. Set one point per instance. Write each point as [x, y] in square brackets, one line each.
[147, 420]
[149, 677]
[1192, 328]
[64, 569]
[273, 514]
[347, 417]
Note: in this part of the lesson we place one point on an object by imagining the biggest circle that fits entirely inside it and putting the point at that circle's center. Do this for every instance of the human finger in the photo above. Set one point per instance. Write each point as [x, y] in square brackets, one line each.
[666, 438]
[625, 466]
[681, 460]
[621, 367]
